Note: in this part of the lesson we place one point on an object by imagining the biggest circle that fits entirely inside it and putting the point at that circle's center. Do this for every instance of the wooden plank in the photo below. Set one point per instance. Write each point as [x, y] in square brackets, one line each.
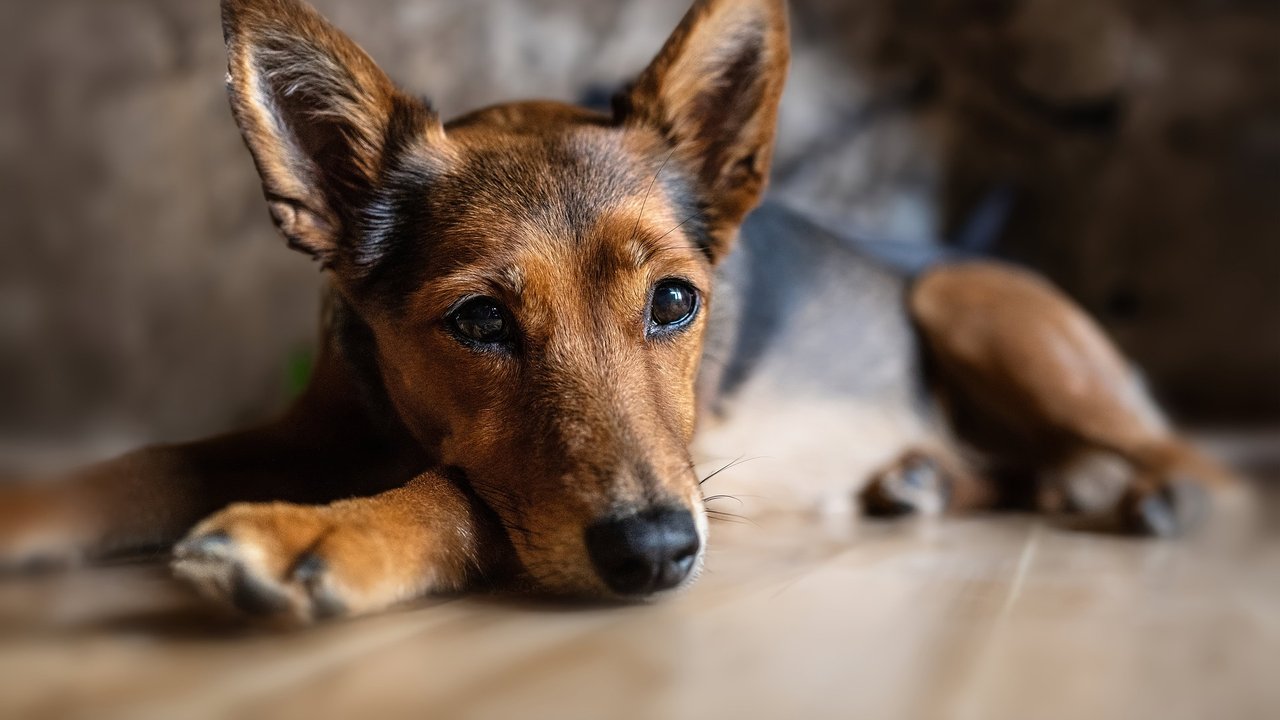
[1004, 617]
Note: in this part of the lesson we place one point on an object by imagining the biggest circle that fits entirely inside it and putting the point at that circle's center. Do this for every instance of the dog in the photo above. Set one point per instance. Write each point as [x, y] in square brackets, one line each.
[537, 315]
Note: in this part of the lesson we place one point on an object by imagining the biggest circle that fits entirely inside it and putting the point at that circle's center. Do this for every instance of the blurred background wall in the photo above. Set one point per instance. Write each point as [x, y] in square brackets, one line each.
[1130, 149]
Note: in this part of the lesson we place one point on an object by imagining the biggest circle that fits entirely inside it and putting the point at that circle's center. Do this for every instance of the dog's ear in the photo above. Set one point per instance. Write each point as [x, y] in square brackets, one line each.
[316, 113]
[714, 92]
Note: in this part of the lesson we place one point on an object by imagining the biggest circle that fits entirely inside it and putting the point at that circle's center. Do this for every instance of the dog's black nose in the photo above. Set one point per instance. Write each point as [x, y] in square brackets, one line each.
[644, 553]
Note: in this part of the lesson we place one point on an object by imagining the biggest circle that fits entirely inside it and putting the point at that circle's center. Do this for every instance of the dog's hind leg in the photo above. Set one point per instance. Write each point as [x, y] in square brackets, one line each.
[1030, 379]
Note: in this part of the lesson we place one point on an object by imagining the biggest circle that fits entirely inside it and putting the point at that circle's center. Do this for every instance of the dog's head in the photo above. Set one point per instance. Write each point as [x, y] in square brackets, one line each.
[536, 276]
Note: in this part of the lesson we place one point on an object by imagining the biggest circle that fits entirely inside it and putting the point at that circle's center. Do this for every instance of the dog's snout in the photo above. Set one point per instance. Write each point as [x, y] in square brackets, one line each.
[643, 553]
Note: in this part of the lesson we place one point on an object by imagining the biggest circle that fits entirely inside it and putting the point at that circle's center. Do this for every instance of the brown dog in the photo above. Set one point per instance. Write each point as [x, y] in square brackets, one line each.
[512, 369]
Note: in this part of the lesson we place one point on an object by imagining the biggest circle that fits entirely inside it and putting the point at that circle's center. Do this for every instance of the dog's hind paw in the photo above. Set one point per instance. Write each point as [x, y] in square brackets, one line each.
[293, 563]
[915, 484]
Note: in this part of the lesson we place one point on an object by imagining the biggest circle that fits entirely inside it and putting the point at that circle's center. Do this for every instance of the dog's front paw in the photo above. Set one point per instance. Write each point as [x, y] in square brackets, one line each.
[294, 562]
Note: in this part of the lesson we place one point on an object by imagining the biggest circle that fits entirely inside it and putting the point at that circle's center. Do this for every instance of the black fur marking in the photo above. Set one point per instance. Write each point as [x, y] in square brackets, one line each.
[356, 342]
[389, 226]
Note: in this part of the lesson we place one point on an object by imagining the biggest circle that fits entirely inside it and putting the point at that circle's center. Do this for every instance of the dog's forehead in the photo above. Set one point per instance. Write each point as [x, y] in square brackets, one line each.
[579, 190]
[558, 180]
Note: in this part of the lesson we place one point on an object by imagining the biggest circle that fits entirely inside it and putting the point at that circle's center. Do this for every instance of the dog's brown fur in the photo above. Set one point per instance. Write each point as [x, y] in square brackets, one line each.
[462, 464]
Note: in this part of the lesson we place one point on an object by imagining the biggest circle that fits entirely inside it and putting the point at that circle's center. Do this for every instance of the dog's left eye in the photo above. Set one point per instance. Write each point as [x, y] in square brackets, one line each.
[674, 303]
[481, 320]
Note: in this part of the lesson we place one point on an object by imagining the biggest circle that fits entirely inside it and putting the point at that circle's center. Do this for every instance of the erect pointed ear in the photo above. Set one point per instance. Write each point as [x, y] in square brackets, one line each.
[317, 115]
[714, 92]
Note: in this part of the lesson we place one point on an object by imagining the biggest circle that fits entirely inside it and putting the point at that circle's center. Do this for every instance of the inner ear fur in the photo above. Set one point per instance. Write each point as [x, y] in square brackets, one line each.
[713, 92]
[318, 116]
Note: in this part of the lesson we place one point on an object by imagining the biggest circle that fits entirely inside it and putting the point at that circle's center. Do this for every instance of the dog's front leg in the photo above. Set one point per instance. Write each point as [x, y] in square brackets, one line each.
[311, 562]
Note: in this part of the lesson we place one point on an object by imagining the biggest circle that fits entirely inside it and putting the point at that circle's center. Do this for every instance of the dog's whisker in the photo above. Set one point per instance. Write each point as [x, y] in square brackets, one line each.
[734, 498]
[635, 231]
[722, 516]
[692, 215]
[728, 466]
[724, 467]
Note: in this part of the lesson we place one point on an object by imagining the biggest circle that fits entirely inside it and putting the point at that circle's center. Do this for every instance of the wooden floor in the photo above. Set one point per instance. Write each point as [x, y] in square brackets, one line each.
[983, 618]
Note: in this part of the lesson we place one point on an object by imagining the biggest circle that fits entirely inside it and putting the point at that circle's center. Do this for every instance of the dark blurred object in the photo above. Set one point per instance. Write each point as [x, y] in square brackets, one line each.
[1137, 144]
[1133, 147]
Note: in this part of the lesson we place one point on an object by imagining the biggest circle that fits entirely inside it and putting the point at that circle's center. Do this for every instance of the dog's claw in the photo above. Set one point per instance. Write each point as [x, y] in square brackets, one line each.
[208, 546]
[1174, 508]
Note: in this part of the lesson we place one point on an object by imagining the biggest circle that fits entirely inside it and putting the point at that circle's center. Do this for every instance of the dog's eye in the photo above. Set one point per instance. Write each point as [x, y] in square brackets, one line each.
[481, 320]
[674, 303]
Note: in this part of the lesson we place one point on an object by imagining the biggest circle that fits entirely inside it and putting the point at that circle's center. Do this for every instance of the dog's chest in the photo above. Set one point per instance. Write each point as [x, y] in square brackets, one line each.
[812, 369]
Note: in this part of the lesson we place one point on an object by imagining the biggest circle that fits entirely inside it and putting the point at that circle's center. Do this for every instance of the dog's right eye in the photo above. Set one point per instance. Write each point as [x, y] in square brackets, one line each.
[481, 321]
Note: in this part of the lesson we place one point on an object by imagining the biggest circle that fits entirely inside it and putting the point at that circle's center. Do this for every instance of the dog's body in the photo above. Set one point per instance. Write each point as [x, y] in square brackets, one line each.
[521, 338]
